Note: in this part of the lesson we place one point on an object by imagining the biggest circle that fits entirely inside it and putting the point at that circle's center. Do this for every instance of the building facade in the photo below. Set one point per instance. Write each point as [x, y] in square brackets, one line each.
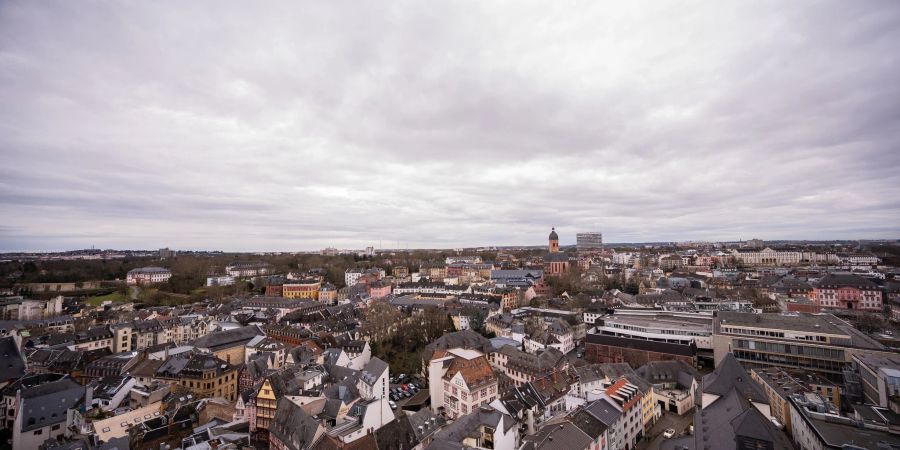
[838, 291]
[306, 289]
[820, 343]
[460, 380]
[589, 242]
[147, 275]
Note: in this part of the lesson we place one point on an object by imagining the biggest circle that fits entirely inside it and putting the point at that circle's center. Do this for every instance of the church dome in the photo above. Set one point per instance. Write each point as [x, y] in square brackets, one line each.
[553, 235]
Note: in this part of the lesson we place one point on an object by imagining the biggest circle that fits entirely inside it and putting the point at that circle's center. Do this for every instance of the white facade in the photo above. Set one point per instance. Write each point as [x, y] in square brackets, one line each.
[147, 275]
[351, 276]
[247, 269]
[681, 328]
[457, 395]
[589, 241]
[768, 257]
[31, 309]
[860, 260]
[624, 259]
[121, 394]
[226, 280]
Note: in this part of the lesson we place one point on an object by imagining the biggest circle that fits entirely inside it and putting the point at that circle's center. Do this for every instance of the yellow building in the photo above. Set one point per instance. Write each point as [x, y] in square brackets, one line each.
[201, 373]
[509, 300]
[328, 293]
[266, 402]
[649, 407]
[779, 384]
[305, 289]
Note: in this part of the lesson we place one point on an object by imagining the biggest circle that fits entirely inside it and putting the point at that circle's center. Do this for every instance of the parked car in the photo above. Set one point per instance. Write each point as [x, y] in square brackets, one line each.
[393, 405]
[668, 433]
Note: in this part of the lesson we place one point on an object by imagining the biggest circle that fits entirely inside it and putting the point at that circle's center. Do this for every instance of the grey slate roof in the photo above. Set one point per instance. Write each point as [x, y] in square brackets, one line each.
[425, 423]
[834, 280]
[373, 370]
[558, 436]
[228, 338]
[459, 339]
[730, 418]
[12, 366]
[604, 411]
[457, 431]
[293, 426]
[730, 375]
[674, 371]
[589, 424]
[397, 434]
[46, 404]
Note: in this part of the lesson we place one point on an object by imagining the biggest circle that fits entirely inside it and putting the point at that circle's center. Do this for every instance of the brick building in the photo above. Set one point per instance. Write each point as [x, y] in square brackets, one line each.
[636, 352]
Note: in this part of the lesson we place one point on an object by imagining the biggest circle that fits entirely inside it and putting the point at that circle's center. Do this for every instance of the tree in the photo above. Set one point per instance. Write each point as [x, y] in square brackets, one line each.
[435, 322]
[632, 286]
[381, 318]
[476, 317]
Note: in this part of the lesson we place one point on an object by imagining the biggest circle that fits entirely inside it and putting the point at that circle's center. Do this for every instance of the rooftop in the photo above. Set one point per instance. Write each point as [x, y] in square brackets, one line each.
[800, 322]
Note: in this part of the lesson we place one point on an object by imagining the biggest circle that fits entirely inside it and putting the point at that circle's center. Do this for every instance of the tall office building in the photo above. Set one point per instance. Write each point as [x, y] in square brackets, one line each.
[589, 241]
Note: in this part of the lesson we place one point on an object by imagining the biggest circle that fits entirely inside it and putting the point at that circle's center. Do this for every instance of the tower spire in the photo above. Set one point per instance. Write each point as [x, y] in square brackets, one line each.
[554, 241]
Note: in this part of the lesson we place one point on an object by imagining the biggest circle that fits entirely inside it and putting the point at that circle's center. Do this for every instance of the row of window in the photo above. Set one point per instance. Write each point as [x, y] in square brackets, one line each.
[773, 347]
[41, 431]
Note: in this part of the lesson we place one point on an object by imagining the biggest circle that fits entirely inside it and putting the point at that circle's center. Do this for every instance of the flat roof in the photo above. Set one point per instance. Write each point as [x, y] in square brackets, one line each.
[819, 323]
[838, 434]
[802, 322]
[117, 426]
[877, 361]
[779, 381]
[700, 324]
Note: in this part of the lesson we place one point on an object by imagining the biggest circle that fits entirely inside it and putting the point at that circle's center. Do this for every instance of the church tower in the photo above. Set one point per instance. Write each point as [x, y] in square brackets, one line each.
[554, 241]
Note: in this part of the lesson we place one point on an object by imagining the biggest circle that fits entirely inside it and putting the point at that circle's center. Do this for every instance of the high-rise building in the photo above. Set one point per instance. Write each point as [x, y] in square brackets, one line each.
[586, 242]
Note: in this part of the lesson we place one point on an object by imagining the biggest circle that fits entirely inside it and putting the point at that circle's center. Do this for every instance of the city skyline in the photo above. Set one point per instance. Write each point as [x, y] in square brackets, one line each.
[441, 125]
[566, 244]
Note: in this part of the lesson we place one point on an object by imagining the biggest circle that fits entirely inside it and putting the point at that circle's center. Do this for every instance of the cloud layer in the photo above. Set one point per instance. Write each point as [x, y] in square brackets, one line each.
[302, 125]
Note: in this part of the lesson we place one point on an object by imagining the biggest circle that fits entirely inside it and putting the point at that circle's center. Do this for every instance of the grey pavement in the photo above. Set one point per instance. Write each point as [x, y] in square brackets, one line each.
[668, 420]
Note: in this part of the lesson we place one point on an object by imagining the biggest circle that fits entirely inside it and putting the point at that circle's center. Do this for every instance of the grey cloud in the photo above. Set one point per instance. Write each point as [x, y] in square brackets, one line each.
[305, 124]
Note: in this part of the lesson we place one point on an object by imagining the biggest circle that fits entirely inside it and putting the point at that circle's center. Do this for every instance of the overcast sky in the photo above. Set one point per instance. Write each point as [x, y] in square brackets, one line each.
[226, 125]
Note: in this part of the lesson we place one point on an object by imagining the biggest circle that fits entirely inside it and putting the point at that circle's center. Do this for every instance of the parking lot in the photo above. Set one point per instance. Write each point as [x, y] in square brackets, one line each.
[668, 420]
[401, 390]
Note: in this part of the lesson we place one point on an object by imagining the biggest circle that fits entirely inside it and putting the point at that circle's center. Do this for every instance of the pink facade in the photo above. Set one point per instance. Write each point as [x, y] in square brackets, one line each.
[848, 297]
[556, 267]
[379, 290]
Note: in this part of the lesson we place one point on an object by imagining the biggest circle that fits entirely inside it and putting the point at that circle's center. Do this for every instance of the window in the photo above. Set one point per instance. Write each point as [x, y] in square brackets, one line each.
[54, 427]
[38, 432]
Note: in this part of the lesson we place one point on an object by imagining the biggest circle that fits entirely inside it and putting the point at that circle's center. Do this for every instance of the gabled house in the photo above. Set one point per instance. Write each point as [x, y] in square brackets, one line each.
[108, 393]
[460, 380]
[484, 428]
[293, 428]
[675, 384]
[44, 410]
[734, 413]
